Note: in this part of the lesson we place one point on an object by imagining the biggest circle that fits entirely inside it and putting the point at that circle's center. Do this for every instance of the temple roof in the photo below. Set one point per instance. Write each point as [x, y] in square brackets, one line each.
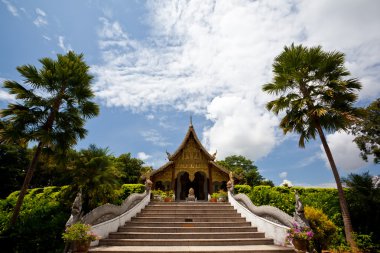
[190, 132]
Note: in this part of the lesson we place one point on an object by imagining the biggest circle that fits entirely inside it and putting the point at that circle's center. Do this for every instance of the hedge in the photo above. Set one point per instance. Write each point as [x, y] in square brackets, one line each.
[42, 218]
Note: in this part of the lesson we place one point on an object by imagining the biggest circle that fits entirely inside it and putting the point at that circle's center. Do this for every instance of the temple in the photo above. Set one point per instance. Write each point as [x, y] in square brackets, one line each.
[190, 166]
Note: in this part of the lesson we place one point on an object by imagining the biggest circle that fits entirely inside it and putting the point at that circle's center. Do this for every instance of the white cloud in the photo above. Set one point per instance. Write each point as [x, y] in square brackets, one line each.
[61, 44]
[286, 182]
[212, 58]
[46, 37]
[283, 174]
[150, 116]
[40, 12]
[11, 8]
[41, 18]
[240, 127]
[154, 137]
[143, 156]
[5, 96]
[345, 152]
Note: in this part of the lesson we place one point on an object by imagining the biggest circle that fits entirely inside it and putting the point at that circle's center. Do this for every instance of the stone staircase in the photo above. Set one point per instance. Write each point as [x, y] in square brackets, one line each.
[188, 227]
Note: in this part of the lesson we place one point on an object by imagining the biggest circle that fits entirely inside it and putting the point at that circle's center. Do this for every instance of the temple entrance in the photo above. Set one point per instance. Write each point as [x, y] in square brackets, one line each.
[199, 184]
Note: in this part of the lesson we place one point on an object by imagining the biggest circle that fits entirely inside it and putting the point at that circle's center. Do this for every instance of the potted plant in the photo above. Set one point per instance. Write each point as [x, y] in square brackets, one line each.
[222, 196]
[169, 196]
[158, 195]
[300, 236]
[80, 236]
[214, 197]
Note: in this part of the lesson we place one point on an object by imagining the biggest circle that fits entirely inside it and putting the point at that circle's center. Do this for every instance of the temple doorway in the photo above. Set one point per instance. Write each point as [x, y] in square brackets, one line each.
[199, 184]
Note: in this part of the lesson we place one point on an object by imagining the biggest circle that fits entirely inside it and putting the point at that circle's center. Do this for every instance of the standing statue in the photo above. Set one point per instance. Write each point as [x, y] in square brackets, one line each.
[230, 183]
[76, 210]
[76, 215]
[148, 183]
[299, 215]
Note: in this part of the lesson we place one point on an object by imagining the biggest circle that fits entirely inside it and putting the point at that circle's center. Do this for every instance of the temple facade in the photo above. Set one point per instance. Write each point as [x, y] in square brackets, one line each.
[190, 166]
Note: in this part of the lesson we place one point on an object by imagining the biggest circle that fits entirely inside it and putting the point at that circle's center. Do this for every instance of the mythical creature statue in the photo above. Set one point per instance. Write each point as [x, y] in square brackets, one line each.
[214, 155]
[148, 183]
[76, 210]
[299, 215]
[168, 154]
[230, 183]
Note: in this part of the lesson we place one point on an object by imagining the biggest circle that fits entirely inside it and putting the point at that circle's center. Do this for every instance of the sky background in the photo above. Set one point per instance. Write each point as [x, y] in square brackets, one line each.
[156, 63]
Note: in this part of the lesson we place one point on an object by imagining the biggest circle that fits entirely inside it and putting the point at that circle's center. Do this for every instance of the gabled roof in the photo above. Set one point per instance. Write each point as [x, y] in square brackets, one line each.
[190, 132]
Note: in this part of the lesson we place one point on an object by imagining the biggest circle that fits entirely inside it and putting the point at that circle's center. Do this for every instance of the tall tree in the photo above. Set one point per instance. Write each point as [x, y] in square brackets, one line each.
[367, 132]
[131, 167]
[315, 92]
[243, 168]
[94, 172]
[52, 106]
[13, 161]
[364, 198]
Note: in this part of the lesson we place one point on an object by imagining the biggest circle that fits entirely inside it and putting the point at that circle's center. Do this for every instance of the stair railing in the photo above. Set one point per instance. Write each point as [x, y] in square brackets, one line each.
[271, 220]
[108, 218]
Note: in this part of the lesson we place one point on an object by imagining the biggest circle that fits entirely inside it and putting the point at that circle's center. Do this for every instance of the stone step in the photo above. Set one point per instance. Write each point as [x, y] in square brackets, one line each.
[187, 207]
[190, 219]
[183, 203]
[187, 224]
[189, 211]
[185, 242]
[189, 249]
[188, 215]
[191, 235]
[187, 229]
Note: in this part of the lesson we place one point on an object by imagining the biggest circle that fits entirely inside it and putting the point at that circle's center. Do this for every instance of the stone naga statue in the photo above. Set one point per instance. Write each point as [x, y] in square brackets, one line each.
[230, 183]
[76, 210]
[299, 214]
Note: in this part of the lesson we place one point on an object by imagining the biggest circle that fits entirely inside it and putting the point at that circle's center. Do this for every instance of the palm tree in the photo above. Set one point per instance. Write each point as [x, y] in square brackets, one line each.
[315, 94]
[51, 109]
[105, 176]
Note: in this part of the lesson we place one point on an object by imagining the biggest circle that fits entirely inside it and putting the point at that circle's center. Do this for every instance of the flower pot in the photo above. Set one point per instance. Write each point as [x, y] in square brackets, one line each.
[213, 200]
[301, 244]
[168, 199]
[81, 246]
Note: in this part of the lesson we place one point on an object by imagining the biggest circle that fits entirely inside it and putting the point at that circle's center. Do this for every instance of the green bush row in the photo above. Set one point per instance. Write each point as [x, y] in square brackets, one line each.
[43, 217]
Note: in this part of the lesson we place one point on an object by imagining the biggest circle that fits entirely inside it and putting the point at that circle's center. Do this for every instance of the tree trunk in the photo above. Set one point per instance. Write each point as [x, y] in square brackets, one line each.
[28, 178]
[32, 166]
[342, 200]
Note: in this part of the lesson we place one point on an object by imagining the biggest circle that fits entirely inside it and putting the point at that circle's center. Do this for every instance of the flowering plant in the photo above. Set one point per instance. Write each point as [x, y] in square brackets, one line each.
[79, 232]
[298, 232]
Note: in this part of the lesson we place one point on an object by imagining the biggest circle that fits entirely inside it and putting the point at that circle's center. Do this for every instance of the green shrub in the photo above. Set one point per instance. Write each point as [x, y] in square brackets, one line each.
[41, 221]
[126, 190]
[242, 188]
[325, 231]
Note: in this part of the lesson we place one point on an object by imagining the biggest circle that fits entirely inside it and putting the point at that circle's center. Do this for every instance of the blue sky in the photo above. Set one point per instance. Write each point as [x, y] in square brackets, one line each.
[158, 62]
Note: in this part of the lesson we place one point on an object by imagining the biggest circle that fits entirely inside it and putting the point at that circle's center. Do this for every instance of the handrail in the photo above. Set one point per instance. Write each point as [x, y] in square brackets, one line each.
[108, 218]
[272, 229]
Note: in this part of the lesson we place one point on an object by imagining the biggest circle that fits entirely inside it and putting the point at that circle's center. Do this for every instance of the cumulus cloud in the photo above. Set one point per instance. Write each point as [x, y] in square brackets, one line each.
[286, 182]
[143, 156]
[41, 18]
[345, 152]
[62, 45]
[240, 128]
[283, 174]
[10, 7]
[212, 57]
